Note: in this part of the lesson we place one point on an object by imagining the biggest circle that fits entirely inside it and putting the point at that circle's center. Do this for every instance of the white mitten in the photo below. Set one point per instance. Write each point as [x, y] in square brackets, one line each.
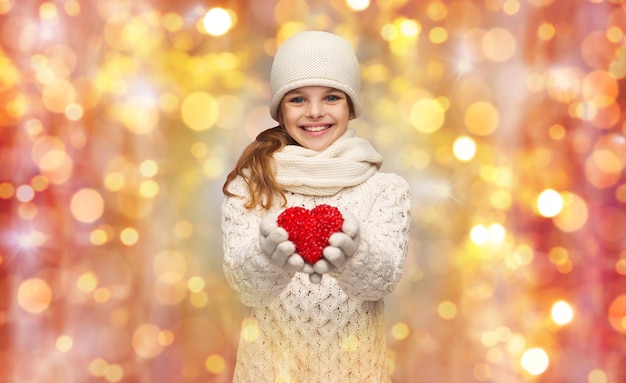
[341, 245]
[313, 276]
[276, 246]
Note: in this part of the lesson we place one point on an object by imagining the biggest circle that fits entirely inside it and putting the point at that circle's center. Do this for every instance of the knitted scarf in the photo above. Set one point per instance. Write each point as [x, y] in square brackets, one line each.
[348, 161]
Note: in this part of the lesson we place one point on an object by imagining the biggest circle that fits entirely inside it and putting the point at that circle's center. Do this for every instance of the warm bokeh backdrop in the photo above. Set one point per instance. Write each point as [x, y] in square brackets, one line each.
[119, 120]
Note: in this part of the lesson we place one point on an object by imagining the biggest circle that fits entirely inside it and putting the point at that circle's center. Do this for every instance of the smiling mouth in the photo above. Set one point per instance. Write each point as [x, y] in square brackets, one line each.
[318, 128]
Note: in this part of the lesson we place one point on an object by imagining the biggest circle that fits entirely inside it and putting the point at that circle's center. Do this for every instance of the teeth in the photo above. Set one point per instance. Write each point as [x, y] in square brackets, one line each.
[315, 128]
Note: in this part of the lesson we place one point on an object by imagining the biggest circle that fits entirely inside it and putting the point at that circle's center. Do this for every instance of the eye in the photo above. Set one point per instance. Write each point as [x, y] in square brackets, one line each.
[297, 100]
[332, 98]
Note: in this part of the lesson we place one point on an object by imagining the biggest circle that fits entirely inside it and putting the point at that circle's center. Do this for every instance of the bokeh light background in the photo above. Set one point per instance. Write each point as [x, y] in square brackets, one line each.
[119, 120]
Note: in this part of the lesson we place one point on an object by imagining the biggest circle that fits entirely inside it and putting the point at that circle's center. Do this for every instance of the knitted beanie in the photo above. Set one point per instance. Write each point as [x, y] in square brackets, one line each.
[315, 58]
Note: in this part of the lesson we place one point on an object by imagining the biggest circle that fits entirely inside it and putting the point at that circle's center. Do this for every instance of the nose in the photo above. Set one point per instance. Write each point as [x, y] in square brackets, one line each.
[315, 110]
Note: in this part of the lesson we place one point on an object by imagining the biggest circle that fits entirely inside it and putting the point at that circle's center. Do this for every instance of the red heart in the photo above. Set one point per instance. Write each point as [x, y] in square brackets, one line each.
[309, 230]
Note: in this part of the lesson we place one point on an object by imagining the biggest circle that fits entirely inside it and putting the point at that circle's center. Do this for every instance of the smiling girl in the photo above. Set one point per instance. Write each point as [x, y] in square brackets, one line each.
[320, 322]
[315, 116]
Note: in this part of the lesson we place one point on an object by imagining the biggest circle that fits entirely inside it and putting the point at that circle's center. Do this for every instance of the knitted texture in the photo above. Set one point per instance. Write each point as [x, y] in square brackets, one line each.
[331, 332]
[347, 162]
[315, 58]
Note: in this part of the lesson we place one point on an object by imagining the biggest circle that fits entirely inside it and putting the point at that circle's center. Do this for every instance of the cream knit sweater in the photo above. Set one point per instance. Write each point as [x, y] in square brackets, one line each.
[332, 332]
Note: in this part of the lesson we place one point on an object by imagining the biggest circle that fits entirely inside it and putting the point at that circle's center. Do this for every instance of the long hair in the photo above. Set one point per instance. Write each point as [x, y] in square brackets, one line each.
[255, 167]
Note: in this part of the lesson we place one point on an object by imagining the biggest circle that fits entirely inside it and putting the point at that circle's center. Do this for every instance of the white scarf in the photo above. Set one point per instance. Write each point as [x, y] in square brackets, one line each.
[347, 162]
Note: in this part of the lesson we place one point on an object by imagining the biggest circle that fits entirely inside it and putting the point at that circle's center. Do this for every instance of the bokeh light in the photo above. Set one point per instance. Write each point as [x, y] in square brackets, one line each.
[217, 21]
[358, 5]
[34, 295]
[535, 361]
[464, 148]
[119, 120]
[87, 205]
[549, 203]
[562, 313]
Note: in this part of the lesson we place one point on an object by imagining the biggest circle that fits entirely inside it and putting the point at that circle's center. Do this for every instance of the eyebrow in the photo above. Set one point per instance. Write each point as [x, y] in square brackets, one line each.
[298, 91]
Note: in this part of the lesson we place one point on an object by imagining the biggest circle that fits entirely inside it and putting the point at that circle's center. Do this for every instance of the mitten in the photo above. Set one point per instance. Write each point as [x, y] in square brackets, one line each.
[341, 245]
[276, 246]
[313, 276]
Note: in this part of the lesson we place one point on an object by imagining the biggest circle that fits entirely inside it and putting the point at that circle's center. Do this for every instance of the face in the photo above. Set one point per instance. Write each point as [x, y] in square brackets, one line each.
[315, 116]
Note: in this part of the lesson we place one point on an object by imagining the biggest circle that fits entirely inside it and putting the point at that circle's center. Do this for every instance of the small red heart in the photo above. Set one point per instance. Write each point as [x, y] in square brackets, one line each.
[309, 230]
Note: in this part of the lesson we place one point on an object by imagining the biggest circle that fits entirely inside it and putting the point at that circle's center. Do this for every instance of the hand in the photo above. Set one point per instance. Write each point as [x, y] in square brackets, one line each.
[314, 277]
[341, 246]
[275, 244]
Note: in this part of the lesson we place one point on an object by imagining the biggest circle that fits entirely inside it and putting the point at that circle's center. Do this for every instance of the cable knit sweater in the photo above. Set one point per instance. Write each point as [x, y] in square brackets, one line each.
[332, 332]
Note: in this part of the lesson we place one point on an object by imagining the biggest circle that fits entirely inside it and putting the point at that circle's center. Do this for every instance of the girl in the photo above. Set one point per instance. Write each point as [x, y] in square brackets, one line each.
[320, 322]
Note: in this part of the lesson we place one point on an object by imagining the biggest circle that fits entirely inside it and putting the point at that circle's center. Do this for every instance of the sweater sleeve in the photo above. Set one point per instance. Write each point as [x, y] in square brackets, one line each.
[377, 266]
[251, 276]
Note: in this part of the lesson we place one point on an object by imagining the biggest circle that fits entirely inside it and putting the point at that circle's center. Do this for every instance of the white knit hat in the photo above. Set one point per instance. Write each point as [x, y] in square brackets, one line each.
[315, 58]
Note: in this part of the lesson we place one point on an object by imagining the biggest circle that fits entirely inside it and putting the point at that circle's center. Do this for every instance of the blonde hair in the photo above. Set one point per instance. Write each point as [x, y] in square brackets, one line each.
[255, 167]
